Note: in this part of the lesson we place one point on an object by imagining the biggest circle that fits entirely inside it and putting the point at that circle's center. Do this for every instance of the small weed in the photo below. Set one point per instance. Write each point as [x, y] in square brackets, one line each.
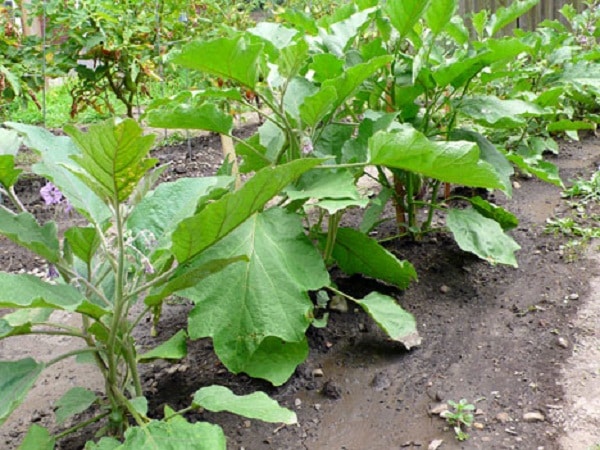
[460, 417]
[585, 190]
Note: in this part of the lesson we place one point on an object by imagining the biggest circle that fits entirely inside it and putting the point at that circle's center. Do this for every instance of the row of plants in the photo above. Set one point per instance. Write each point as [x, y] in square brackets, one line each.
[403, 87]
[109, 53]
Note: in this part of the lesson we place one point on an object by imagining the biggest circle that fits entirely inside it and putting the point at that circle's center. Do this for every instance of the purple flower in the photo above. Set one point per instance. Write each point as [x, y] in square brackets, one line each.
[307, 146]
[51, 195]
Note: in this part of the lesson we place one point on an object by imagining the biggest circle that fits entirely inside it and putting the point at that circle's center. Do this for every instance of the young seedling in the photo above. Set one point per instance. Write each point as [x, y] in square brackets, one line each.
[460, 417]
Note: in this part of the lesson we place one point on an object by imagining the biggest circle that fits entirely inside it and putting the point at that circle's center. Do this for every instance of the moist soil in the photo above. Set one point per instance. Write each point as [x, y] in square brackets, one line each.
[515, 342]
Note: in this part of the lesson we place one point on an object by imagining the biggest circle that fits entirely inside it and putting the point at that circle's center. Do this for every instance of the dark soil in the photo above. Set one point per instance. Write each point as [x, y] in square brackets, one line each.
[496, 336]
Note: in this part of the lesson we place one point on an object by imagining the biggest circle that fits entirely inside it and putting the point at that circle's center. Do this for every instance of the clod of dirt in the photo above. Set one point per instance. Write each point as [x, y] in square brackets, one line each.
[438, 408]
[331, 390]
[534, 416]
[503, 417]
[381, 381]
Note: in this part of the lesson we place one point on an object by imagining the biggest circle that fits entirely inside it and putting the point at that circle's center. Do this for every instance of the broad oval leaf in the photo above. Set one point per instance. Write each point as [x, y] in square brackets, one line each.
[504, 16]
[113, 158]
[76, 400]
[507, 220]
[400, 325]
[174, 434]
[404, 14]
[233, 57]
[28, 291]
[16, 378]
[247, 303]
[482, 236]
[56, 152]
[257, 405]
[218, 219]
[179, 115]
[173, 348]
[453, 162]
[24, 230]
[158, 214]
[497, 113]
[37, 438]
[356, 252]
[8, 173]
[439, 13]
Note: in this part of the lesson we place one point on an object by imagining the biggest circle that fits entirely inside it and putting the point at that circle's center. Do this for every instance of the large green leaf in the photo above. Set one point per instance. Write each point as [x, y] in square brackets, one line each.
[399, 324]
[16, 378]
[346, 84]
[76, 400]
[453, 162]
[206, 116]
[246, 303]
[234, 58]
[174, 434]
[83, 242]
[8, 173]
[21, 321]
[9, 142]
[341, 33]
[315, 107]
[37, 438]
[334, 190]
[257, 405]
[504, 16]
[218, 219]
[544, 170]
[276, 360]
[189, 274]
[28, 291]
[482, 236]
[56, 152]
[405, 14]
[505, 219]
[159, 212]
[489, 153]
[113, 157]
[24, 230]
[356, 252]
[439, 13]
[497, 113]
[173, 348]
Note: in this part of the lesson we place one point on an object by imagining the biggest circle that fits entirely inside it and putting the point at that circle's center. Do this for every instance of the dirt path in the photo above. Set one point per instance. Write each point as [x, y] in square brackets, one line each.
[521, 344]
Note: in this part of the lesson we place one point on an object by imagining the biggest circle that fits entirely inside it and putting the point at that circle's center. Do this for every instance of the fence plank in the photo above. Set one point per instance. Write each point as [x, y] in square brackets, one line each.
[544, 10]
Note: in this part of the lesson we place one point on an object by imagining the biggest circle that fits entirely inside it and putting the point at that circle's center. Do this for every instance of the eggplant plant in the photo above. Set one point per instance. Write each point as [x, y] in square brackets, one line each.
[138, 246]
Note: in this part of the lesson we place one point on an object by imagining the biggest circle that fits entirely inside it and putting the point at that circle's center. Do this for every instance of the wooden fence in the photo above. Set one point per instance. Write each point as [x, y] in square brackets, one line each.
[545, 9]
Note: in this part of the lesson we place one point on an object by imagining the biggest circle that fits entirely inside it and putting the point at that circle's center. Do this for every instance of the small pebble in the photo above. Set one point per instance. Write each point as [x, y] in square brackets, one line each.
[478, 425]
[533, 416]
[562, 342]
[573, 296]
[298, 402]
[516, 185]
[444, 289]
[503, 417]
[317, 373]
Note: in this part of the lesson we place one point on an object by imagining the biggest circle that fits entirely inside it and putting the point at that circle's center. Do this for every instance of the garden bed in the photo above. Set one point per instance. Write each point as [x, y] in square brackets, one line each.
[496, 336]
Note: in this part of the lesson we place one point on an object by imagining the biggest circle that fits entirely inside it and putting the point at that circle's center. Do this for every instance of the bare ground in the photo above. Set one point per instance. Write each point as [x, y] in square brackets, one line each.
[511, 341]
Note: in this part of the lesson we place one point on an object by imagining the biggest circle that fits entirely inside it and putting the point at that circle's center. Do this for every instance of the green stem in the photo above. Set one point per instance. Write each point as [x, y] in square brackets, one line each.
[432, 206]
[332, 229]
[13, 197]
[81, 425]
[69, 354]
[117, 325]
[343, 294]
